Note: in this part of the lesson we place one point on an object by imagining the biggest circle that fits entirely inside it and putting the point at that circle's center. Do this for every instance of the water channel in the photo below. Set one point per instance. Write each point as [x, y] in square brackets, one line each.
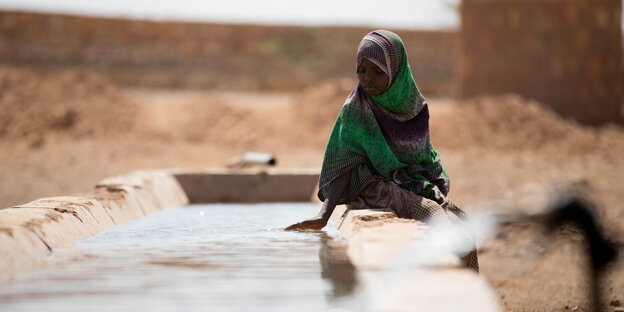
[217, 257]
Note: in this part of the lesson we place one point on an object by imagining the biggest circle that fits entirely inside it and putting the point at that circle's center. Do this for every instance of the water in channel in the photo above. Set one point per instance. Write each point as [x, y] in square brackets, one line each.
[218, 257]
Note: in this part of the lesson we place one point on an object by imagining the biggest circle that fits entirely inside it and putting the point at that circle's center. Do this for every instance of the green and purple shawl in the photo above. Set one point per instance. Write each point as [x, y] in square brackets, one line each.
[387, 135]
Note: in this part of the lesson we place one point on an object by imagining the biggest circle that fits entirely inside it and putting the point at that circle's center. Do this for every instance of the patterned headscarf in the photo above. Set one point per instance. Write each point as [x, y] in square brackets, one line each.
[385, 135]
[377, 49]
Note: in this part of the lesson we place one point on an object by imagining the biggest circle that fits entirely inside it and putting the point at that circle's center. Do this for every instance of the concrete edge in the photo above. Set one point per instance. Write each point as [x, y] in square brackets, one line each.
[31, 230]
[374, 237]
[35, 228]
[377, 241]
[248, 185]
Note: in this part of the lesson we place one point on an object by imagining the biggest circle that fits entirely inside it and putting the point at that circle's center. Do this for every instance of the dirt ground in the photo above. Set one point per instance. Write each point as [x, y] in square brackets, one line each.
[62, 132]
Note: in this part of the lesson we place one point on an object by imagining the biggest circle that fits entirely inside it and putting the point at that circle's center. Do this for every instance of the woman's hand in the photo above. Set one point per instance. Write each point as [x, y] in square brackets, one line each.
[314, 224]
[336, 188]
[439, 197]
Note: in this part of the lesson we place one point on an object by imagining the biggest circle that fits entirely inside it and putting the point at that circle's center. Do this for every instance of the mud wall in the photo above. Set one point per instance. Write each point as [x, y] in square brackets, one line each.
[171, 54]
[567, 54]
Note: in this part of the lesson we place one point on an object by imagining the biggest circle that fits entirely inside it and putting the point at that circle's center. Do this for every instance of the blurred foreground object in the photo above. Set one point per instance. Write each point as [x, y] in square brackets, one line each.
[601, 252]
[566, 54]
[251, 159]
[558, 205]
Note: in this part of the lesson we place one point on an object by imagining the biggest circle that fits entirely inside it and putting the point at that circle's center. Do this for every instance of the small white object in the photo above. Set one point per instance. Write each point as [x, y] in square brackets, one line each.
[253, 158]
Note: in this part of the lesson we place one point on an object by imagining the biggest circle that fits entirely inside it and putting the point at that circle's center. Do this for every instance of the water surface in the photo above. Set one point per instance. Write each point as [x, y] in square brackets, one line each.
[198, 258]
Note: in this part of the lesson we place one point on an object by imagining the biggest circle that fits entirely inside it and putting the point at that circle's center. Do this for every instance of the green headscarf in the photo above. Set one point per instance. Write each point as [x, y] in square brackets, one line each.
[386, 135]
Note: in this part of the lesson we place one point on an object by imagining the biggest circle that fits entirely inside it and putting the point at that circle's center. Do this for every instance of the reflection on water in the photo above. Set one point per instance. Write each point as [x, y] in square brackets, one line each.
[336, 267]
[203, 257]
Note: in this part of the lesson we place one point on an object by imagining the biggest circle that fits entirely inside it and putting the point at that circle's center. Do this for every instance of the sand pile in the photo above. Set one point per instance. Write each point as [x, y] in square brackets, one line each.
[319, 105]
[72, 103]
[505, 123]
[222, 124]
[513, 123]
[316, 108]
[307, 121]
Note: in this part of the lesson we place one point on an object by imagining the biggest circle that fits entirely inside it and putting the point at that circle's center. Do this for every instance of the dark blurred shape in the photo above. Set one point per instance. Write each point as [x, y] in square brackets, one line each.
[566, 54]
[578, 213]
[601, 252]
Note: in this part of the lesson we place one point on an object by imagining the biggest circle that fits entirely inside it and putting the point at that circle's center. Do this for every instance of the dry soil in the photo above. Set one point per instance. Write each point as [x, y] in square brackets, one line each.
[61, 132]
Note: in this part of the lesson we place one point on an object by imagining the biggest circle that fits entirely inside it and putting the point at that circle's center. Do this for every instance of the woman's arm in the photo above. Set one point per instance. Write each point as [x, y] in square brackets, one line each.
[336, 188]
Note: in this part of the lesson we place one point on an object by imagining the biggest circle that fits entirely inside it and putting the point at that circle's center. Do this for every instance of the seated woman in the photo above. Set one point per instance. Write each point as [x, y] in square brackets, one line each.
[379, 154]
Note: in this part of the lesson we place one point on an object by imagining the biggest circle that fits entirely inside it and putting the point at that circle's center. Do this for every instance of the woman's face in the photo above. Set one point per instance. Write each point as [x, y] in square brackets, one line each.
[372, 78]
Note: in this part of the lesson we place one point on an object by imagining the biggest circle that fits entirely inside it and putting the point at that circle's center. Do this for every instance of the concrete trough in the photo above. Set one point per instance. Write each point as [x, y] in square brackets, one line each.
[30, 230]
[375, 238]
[33, 229]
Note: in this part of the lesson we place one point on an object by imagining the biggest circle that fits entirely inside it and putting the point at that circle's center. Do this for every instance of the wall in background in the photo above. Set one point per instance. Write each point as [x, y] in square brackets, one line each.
[564, 53]
[199, 55]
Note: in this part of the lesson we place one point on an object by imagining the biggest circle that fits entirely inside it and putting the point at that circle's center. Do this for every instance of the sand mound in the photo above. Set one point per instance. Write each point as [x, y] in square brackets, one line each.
[513, 123]
[72, 103]
[75, 103]
[319, 105]
[316, 108]
[305, 121]
[507, 122]
[222, 124]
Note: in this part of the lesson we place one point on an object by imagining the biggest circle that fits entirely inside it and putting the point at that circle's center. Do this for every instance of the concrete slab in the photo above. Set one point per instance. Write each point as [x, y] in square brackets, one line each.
[377, 240]
[248, 185]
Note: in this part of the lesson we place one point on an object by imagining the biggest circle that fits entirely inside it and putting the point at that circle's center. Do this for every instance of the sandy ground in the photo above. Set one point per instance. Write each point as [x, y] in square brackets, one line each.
[61, 133]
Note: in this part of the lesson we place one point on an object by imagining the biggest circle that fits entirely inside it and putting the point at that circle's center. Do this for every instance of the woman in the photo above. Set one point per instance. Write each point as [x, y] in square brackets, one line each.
[379, 154]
